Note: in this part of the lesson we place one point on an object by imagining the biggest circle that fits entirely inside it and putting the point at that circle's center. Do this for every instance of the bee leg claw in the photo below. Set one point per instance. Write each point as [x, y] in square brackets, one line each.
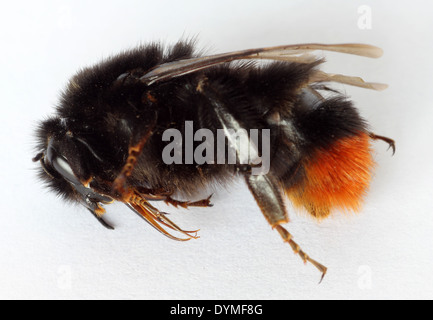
[391, 143]
[287, 237]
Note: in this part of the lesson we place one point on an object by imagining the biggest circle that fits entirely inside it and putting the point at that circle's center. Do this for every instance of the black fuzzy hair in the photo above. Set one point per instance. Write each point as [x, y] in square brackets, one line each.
[329, 121]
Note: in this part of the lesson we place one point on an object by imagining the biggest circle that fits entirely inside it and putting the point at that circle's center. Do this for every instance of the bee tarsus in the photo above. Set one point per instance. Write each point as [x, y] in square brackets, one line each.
[389, 141]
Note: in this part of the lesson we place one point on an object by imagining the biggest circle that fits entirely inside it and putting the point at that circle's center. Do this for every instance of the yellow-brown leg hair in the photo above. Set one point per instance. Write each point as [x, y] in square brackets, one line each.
[133, 154]
[156, 218]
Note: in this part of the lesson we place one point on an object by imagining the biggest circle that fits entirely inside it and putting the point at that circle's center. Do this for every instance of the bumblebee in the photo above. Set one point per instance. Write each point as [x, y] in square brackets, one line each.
[106, 139]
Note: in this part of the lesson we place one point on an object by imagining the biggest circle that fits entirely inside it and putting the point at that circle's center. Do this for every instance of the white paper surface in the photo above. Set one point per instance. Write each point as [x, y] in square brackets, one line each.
[49, 249]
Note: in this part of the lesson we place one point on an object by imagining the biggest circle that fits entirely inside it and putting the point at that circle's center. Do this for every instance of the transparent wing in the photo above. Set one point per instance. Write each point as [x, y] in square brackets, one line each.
[300, 53]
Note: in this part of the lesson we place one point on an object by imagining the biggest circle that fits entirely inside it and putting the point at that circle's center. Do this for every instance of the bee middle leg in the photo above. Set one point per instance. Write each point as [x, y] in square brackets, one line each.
[186, 204]
[164, 195]
[268, 197]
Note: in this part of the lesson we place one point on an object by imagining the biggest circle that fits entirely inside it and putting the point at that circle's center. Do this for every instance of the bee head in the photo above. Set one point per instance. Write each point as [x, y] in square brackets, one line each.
[63, 166]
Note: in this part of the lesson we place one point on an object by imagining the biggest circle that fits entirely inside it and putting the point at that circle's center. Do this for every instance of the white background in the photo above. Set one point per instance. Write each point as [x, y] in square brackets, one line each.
[49, 249]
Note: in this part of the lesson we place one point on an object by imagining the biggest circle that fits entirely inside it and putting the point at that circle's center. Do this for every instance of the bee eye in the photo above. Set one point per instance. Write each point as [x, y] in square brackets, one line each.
[61, 165]
[56, 165]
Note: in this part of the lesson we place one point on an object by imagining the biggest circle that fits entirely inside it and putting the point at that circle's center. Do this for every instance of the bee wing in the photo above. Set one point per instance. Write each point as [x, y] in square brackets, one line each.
[300, 53]
[321, 76]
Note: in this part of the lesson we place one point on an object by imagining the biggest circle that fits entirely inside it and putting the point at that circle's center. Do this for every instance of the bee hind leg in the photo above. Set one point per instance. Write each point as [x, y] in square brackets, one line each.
[268, 197]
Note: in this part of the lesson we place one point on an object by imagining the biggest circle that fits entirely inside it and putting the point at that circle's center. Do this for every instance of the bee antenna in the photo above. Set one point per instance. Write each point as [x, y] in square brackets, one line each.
[38, 157]
[101, 220]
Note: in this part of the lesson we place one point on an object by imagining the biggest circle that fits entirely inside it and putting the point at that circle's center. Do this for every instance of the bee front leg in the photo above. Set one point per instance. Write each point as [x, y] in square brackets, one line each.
[134, 151]
[268, 197]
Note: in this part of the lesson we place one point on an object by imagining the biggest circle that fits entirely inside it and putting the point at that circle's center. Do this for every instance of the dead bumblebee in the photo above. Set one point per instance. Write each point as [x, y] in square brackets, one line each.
[106, 141]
